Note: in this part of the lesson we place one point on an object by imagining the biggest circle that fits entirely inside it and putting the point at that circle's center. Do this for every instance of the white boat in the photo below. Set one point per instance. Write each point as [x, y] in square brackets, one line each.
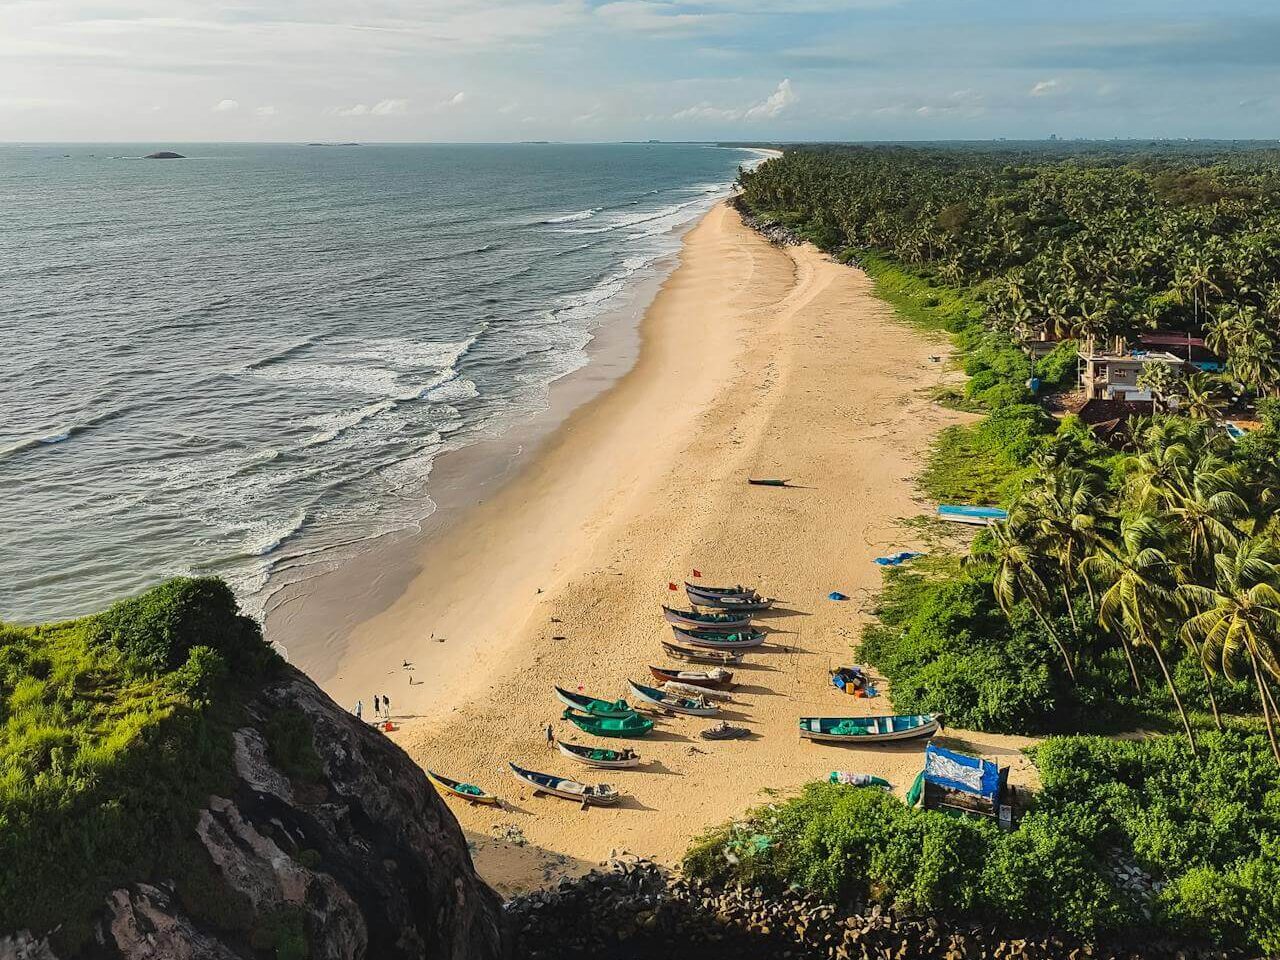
[692, 706]
[599, 756]
[600, 794]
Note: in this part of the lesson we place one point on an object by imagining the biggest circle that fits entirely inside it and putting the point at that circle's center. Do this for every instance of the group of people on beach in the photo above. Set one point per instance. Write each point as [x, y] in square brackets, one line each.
[381, 707]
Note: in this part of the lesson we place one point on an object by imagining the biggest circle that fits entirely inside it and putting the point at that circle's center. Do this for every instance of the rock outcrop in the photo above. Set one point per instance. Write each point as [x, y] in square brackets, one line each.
[164, 155]
[634, 910]
[347, 854]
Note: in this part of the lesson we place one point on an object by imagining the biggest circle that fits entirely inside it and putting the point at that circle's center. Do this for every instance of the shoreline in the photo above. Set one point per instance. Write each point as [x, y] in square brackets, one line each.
[752, 359]
[312, 618]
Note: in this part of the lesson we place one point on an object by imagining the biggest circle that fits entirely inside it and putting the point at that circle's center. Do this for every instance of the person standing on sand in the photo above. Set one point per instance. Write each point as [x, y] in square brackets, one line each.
[551, 736]
[386, 706]
[359, 708]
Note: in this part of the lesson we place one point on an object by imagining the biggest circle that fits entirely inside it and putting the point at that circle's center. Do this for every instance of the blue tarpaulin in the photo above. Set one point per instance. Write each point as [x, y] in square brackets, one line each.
[894, 559]
[956, 771]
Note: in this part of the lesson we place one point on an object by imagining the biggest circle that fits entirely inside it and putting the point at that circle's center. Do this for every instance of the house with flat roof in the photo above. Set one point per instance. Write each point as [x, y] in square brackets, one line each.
[1112, 372]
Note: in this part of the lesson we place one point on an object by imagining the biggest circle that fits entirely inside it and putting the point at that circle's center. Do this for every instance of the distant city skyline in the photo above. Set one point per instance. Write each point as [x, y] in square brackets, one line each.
[497, 70]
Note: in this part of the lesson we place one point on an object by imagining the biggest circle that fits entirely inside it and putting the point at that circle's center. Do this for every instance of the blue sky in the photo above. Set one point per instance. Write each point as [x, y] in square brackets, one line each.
[633, 69]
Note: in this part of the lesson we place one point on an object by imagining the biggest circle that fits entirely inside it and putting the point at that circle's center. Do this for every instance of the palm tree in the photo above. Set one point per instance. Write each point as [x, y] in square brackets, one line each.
[1239, 618]
[1139, 592]
[1017, 577]
[1203, 399]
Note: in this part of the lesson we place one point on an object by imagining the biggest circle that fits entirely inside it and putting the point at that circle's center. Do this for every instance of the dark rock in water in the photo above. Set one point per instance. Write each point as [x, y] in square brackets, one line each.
[164, 155]
[359, 858]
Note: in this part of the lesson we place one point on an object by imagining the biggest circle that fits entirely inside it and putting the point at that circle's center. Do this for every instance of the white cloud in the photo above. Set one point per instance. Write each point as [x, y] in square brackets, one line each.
[359, 110]
[511, 107]
[265, 111]
[774, 104]
[226, 106]
[384, 108]
[456, 99]
[766, 109]
[644, 16]
[1044, 88]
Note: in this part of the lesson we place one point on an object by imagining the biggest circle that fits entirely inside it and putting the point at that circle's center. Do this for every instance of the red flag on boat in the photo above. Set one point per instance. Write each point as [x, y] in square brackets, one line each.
[671, 586]
[697, 573]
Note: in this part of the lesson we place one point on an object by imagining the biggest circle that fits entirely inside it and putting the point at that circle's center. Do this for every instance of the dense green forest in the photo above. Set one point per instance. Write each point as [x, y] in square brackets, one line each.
[1099, 242]
[114, 730]
[1136, 584]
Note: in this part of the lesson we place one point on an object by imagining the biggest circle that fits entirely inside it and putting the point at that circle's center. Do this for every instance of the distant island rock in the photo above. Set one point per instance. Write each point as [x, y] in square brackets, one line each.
[164, 155]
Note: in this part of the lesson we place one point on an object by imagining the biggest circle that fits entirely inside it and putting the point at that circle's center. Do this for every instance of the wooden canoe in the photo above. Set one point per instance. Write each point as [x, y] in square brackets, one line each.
[693, 707]
[700, 655]
[688, 690]
[716, 678]
[632, 725]
[695, 620]
[753, 604]
[711, 593]
[599, 756]
[767, 481]
[720, 640]
[868, 729]
[593, 705]
[600, 794]
[463, 791]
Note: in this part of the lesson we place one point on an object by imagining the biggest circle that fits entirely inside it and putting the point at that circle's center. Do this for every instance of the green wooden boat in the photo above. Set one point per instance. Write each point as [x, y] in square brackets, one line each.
[868, 729]
[632, 726]
[593, 705]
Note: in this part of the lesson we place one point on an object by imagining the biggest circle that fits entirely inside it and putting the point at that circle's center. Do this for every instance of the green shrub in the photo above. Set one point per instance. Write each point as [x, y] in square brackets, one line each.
[115, 731]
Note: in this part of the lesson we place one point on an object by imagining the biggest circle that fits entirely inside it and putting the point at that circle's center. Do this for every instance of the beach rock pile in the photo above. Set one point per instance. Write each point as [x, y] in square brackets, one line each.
[634, 910]
[359, 858]
[775, 233]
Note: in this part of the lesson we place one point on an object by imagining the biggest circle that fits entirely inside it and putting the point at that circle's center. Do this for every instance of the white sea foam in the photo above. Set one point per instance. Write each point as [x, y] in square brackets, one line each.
[575, 217]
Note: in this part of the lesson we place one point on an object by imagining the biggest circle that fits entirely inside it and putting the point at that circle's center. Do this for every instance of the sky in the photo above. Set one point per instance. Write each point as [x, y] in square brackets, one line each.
[590, 70]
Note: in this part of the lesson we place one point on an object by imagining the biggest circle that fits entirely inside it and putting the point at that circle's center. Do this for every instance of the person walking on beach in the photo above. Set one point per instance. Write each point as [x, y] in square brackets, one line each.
[377, 705]
[551, 736]
[359, 708]
[386, 706]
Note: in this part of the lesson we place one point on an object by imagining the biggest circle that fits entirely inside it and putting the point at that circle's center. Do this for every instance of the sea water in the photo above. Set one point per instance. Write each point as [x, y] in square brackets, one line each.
[251, 357]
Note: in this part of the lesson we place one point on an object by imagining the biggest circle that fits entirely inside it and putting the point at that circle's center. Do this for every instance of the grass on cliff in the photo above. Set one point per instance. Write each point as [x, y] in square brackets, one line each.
[114, 729]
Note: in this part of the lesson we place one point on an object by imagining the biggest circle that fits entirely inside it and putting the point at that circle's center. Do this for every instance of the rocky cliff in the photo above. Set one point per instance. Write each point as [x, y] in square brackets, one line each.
[326, 842]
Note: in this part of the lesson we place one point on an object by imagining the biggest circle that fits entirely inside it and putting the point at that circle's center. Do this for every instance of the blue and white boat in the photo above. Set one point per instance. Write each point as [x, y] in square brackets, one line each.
[983, 516]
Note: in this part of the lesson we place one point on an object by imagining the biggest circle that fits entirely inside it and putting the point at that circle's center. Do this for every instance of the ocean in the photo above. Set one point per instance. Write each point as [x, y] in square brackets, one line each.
[247, 361]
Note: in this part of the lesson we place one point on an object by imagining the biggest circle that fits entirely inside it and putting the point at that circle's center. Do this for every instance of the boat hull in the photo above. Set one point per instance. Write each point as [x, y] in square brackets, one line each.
[591, 705]
[625, 728]
[672, 706]
[449, 788]
[682, 618]
[867, 735]
[701, 655]
[587, 761]
[715, 640]
[529, 779]
[690, 678]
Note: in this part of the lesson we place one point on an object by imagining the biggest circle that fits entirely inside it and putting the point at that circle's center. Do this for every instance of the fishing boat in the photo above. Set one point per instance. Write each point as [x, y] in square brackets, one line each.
[600, 794]
[632, 725]
[689, 690]
[868, 729]
[767, 481]
[698, 655]
[724, 731]
[983, 516]
[592, 705]
[710, 593]
[694, 620]
[717, 678]
[599, 756]
[463, 791]
[692, 706]
[754, 604]
[720, 639]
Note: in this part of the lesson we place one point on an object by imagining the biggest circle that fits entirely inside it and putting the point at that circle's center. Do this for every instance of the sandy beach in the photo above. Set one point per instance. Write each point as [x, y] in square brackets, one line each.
[753, 361]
